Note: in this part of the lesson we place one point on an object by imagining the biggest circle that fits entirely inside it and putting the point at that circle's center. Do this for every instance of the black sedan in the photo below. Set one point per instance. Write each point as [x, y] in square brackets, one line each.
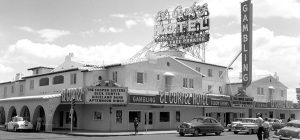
[200, 125]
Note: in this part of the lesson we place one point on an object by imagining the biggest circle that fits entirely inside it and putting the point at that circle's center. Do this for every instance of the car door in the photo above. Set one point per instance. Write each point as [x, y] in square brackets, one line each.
[214, 126]
[207, 125]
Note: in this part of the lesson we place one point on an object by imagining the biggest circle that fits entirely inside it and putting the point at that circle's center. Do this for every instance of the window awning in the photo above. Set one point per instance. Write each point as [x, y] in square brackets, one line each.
[142, 92]
[168, 74]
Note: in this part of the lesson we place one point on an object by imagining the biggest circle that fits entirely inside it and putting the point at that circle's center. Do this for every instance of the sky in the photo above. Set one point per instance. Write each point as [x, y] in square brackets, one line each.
[42, 32]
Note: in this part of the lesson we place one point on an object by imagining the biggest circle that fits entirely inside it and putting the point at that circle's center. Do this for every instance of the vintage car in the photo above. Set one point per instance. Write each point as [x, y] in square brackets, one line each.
[289, 132]
[275, 123]
[200, 125]
[235, 121]
[247, 125]
[18, 123]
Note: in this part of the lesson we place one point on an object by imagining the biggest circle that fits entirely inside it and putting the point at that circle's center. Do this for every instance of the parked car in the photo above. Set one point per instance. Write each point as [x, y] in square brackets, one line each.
[247, 125]
[235, 121]
[276, 123]
[18, 123]
[289, 132]
[200, 125]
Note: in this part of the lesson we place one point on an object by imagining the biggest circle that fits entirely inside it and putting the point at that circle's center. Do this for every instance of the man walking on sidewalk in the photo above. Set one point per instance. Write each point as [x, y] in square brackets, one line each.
[259, 122]
[136, 124]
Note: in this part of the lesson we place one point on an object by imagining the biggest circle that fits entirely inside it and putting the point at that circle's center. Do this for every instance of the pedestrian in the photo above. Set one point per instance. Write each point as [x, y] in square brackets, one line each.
[136, 124]
[266, 126]
[259, 122]
[38, 124]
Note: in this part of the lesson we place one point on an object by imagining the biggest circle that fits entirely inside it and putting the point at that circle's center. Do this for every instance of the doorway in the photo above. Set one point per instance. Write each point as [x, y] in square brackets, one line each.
[148, 120]
[227, 118]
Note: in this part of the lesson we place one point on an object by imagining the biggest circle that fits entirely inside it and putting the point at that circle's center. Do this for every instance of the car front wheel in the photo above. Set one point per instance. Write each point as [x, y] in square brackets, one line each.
[181, 134]
[218, 133]
[196, 133]
[235, 132]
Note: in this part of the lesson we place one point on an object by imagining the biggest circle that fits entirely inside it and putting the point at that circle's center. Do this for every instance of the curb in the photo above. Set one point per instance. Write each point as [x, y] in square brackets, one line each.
[118, 134]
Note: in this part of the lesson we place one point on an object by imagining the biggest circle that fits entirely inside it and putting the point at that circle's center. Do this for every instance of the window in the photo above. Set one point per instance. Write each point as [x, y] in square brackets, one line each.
[210, 73]
[260, 91]
[282, 93]
[5, 92]
[21, 88]
[185, 82]
[157, 77]
[293, 116]
[140, 77]
[209, 88]
[164, 116]
[58, 80]
[282, 116]
[98, 116]
[119, 116]
[191, 83]
[220, 74]
[12, 89]
[115, 76]
[198, 69]
[31, 84]
[177, 116]
[133, 114]
[44, 81]
[73, 78]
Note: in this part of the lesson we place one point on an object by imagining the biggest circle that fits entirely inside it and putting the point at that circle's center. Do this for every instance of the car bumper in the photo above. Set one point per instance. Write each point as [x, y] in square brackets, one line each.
[186, 130]
[284, 138]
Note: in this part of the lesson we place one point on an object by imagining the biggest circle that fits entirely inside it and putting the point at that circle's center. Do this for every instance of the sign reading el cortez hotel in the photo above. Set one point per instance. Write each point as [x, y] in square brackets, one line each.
[106, 95]
[183, 26]
[246, 39]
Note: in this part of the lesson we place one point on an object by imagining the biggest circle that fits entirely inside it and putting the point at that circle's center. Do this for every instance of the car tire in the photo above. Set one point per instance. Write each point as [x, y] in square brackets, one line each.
[181, 134]
[204, 134]
[229, 130]
[196, 132]
[235, 132]
[218, 133]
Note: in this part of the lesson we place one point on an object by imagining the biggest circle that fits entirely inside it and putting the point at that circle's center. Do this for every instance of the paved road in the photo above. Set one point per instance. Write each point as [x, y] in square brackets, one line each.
[50, 136]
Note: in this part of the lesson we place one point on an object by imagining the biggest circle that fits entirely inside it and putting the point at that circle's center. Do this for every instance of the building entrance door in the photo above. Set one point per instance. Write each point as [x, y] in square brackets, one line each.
[148, 120]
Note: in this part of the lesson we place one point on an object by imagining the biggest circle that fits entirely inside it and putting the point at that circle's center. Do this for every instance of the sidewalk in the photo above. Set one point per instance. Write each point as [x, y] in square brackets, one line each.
[106, 134]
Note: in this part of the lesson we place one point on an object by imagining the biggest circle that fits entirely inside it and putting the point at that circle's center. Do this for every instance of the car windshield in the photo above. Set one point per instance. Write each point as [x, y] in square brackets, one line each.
[237, 119]
[293, 125]
[16, 119]
[195, 120]
[248, 121]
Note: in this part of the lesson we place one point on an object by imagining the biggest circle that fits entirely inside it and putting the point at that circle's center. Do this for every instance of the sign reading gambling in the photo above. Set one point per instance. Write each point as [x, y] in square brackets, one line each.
[246, 32]
[183, 26]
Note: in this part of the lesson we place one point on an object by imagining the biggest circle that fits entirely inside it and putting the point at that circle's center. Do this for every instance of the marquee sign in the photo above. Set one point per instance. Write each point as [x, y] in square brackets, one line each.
[106, 95]
[183, 26]
[246, 32]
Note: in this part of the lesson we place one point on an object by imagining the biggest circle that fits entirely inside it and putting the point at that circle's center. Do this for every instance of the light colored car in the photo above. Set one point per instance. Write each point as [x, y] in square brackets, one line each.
[18, 123]
[235, 121]
[200, 125]
[247, 125]
[276, 123]
[289, 132]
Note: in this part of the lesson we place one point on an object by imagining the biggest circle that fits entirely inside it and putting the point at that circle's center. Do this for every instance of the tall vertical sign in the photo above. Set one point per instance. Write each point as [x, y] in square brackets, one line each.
[246, 32]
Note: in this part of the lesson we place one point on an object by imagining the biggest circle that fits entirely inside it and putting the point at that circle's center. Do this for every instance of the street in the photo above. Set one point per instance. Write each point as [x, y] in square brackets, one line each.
[4, 135]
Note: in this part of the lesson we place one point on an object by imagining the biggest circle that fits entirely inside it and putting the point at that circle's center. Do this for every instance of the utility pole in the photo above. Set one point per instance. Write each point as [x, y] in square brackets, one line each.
[71, 113]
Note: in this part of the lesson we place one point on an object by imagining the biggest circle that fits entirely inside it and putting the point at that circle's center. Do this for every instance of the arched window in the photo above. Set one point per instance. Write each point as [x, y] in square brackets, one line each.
[58, 79]
[44, 81]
